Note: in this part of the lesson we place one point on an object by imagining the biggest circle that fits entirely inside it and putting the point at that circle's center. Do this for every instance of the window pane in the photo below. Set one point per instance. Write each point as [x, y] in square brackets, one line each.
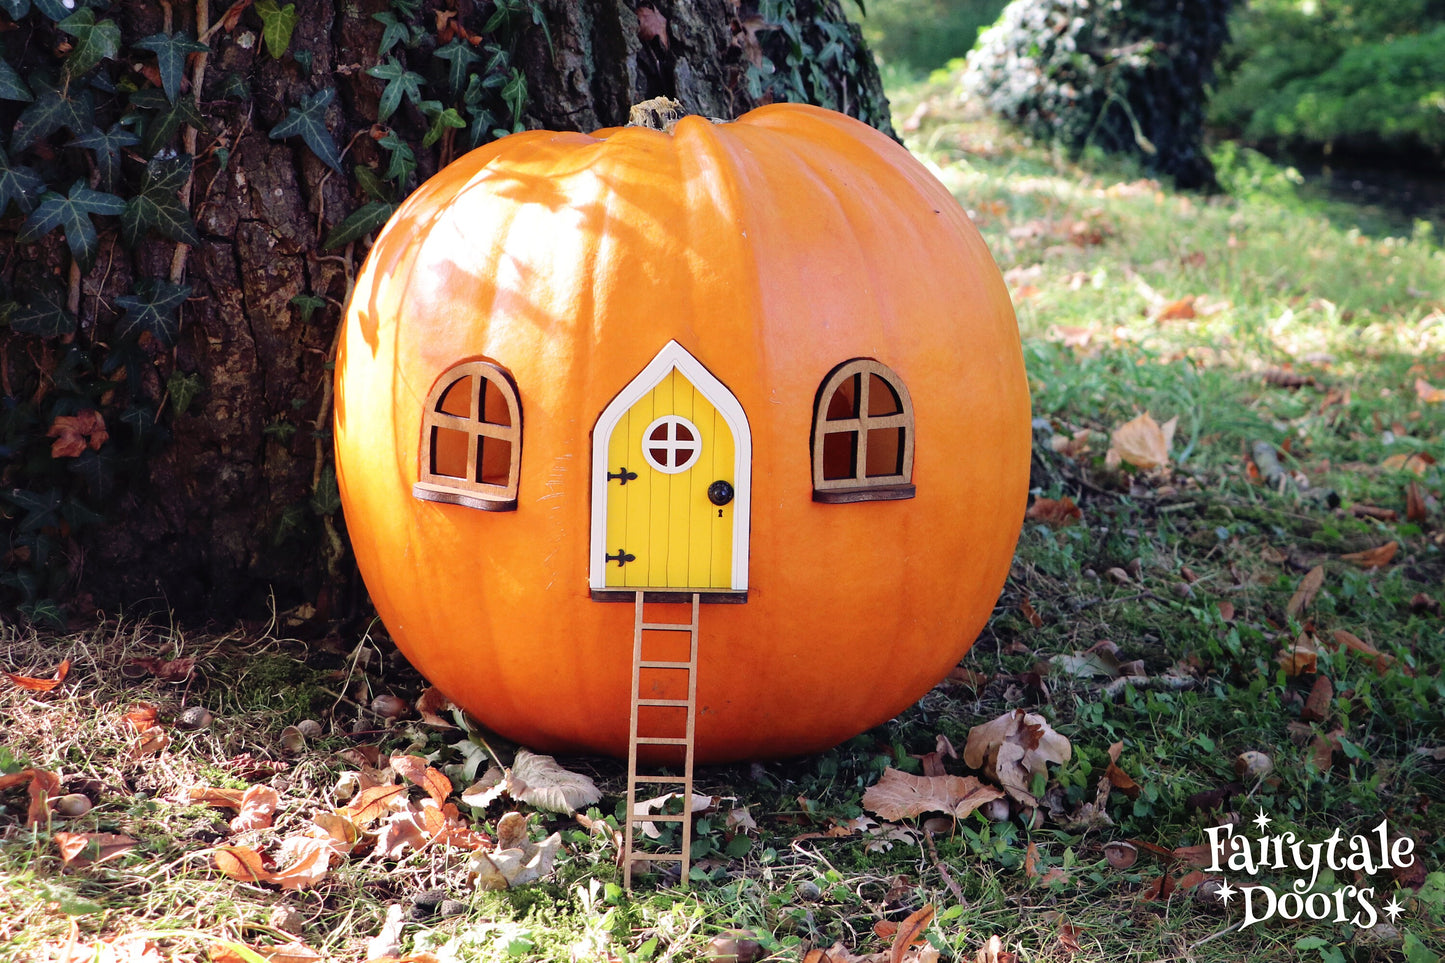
[494, 404]
[449, 452]
[885, 452]
[457, 399]
[882, 399]
[494, 464]
[844, 403]
[658, 433]
[840, 455]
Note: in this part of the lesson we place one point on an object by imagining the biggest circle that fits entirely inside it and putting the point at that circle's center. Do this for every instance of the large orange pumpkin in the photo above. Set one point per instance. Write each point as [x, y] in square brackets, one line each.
[572, 297]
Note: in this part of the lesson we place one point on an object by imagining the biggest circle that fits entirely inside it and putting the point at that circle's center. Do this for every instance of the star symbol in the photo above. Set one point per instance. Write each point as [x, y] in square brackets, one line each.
[1393, 908]
[1261, 820]
[1225, 892]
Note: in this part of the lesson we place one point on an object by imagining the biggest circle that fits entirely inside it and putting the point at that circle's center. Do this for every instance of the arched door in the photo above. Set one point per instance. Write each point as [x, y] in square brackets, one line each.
[671, 479]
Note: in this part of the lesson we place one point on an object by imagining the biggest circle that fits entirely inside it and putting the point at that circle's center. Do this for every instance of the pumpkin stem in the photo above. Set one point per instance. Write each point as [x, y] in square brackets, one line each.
[659, 113]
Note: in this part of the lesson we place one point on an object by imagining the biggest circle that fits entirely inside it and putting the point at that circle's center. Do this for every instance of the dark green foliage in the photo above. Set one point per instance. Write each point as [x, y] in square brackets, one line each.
[1128, 77]
[162, 118]
[12, 86]
[105, 147]
[20, 184]
[1368, 75]
[153, 309]
[171, 51]
[44, 314]
[94, 41]
[157, 205]
[309, 123]
[71, 212]
[359, 223]
[54, 108]
[277, 25]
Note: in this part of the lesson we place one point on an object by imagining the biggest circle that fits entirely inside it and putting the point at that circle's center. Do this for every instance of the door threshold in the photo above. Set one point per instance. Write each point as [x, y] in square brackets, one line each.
[705, 596]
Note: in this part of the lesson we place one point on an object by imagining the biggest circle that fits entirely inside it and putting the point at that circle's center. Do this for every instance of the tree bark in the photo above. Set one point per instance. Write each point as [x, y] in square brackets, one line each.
[235, 512]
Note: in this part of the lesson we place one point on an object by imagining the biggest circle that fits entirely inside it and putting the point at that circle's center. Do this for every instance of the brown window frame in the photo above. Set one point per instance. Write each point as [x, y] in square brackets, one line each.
[470, 491]
[860, 486]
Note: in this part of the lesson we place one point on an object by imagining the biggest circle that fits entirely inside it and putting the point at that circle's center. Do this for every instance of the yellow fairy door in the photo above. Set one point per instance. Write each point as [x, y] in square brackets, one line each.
[670, 482]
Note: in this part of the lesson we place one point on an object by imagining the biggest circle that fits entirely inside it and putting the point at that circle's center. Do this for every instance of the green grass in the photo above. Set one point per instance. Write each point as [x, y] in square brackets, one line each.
[1091, 251]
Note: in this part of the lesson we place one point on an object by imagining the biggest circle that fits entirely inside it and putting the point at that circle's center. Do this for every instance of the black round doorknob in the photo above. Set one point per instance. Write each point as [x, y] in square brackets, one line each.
[720, 493]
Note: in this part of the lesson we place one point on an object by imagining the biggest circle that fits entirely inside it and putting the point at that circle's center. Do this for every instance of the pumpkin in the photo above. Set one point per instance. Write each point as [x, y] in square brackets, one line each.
[634, 299]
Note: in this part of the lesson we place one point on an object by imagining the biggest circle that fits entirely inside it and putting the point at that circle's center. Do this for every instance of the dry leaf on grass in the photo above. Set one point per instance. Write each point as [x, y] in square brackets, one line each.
[1382, 662]
[431, 704]
[78, 850]
[1057, 512]
[373, 803]
[517, 860]
[293, 952]
[1309, 587]
[1417, 462]
[43, 684]
[1100, 659]
[241, 862]
[536, 780]
[993, 952]
[132, 948]
[414, 769]
[1415, 504]
[172, 670]
[1428, 393]
[1142, 442]
[901, 795]
[1317, 706]
[658, 804]
[910, 931]
[41, 784]
[1302, 658]
[1372, 558]
[257, 809]
[1013, 749]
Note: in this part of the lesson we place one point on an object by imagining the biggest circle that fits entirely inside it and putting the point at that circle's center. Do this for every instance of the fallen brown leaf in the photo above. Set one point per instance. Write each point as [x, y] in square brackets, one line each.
[172, 670]
[241, 862]
[1428, 393]
[310, 860]
[901, 795]
[1371, 511]
[1317, 706]
[1057, 512]
[1013, 749]
[1226, 611]
[1415, 504]
[41, 785]
[910, 931]
[431, 704]
[373, 803]
[971, 678]
[75, 433]
[1160, 889]
[1302, 658]
[1419, 462]
[1377, 557]
[1026, 607]
[993, 952]
[41, 684]
[1142, 442]
[414, 769]
[1180, 310]
[1304, 595]
[141, 717]
[257, 808]
[78, 850]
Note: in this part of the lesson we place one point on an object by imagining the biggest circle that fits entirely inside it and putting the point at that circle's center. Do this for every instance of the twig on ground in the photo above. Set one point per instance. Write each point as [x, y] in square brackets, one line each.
[948, 879]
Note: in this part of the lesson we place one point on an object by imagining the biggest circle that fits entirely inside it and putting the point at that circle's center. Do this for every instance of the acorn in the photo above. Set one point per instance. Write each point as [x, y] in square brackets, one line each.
[389, 706]
[71, 805]
[194, 717]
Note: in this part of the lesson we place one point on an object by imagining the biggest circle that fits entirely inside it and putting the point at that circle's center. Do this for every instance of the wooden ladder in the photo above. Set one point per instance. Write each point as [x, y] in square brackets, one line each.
[635, 739]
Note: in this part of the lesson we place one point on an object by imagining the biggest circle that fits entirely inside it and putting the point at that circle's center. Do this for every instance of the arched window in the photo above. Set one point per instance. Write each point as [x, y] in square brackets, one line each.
[862, 435]
[471, 439]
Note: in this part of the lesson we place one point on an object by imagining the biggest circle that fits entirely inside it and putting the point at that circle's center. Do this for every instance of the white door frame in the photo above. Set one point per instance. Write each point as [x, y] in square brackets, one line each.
[674, 356]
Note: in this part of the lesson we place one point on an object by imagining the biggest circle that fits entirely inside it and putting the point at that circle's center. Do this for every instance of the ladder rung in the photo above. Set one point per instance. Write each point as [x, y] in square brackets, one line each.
[666, 665]
[658, 857]
[667, 626]
[659, 779]
[660, 817]
[660, 741]
[662, 702]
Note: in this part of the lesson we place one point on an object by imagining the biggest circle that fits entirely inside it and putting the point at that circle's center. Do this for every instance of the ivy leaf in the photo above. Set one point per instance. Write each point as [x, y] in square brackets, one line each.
[171, 52]
[71, 213]
[403, 159]
[15, 9]
[56, 10]
[12, 86]
[458, 56]
[371, 183]
[107, 146]
[395, 33]
[153, 308]
[166, 118]
[41, 511]
[399, 82]
[20, 184]
[309, 121]
[53, 109]
[157, 205]
[183, 389]
[44, 315]
[359, 223]
[277, 25]
[94, 41]
[307, 305]
[440, 120]
[326, 497]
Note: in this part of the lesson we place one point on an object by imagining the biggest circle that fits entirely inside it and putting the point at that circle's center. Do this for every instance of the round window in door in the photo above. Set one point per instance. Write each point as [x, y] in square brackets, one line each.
[671, 444]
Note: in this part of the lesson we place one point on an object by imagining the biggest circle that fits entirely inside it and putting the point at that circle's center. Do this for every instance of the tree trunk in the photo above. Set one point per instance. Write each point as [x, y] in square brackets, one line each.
[214, 486]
